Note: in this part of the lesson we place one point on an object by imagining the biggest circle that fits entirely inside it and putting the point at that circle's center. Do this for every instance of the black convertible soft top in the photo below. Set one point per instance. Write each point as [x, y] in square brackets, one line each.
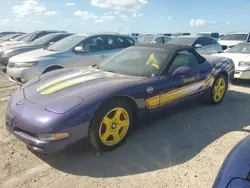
[174, 48]
[170, 47]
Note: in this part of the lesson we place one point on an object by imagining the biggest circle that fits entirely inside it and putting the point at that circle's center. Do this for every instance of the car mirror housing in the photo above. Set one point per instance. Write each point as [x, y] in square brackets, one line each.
[79, 49]
[198, 46]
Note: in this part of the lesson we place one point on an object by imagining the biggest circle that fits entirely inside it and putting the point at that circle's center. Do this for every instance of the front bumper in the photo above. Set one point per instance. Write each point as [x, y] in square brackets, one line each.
[242, 74]
[22, 75]
[25, 120]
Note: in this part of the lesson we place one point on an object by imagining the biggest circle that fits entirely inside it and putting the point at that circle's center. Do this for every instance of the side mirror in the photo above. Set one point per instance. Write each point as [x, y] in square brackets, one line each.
[181, 71]
[51, 43]
[224, 47]
[198, 46]
[79, 49]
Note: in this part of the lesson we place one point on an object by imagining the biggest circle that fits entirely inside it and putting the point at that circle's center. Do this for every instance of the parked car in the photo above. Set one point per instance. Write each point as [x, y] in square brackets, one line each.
[235, 170]
[73, 51]
[31, 37]
[42, 42]
[240, 54]
[203, 45]
[231, 39]
[103, 103]
[158, 39]
[214, 35]
[9, 37]
[221, 35]
[7, 32]
[180, 34]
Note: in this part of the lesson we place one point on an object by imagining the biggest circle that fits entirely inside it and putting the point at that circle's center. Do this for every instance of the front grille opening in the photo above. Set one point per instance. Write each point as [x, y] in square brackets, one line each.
[16, 129]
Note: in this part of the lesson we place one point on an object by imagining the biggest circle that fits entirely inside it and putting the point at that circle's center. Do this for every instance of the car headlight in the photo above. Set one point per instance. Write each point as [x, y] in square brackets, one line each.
[244, 63]
[53, 137]
[23, 65]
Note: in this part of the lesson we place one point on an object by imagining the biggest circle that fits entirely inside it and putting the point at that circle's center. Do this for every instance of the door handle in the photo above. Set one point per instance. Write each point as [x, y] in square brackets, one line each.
[103, 56]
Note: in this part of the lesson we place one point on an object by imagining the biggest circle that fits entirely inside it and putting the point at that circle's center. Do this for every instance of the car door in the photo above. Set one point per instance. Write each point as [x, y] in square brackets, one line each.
[94, 52]
[212, 46]
[181, 85]
[200, 41]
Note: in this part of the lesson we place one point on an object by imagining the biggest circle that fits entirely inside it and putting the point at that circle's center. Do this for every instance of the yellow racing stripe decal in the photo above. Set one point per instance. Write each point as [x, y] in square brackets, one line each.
[170, 96]
[61, 79]
[68, 83]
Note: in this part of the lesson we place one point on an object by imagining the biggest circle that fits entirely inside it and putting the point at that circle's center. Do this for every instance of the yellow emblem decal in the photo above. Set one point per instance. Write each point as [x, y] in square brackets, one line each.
[153, 61]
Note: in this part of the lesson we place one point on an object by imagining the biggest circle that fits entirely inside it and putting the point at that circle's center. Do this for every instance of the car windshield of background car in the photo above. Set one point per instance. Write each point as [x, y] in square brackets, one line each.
[66, 43]
[28, 37]
[146, 39]
[137, 61]
[239, 37]
[7, 37]
[43, 40]
[241, 48]
[182, 41]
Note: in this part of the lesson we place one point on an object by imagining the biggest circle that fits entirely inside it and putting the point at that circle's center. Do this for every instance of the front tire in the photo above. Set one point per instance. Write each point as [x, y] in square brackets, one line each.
[218, 90]
[110, 125]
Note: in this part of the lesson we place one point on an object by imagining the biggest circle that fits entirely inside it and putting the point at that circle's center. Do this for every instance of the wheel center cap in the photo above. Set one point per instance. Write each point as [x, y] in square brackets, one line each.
[113, 125]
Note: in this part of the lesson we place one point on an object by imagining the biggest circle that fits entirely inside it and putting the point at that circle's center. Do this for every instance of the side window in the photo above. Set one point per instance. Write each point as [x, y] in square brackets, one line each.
[183, 59]
[158, 40]
[200, 41]
[166, 39]
[117, 42]
[209, 41]
[215, 35]
[94, 44]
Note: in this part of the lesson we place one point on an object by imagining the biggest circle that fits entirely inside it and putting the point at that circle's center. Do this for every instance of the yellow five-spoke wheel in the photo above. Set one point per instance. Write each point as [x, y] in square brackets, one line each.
[110, 125]
[218, 89]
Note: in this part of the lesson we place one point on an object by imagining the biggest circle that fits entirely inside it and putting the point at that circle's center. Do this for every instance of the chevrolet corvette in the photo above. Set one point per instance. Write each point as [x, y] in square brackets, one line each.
[103, 103]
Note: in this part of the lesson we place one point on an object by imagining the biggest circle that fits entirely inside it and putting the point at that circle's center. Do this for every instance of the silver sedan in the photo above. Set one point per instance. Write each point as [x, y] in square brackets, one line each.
[203, 45]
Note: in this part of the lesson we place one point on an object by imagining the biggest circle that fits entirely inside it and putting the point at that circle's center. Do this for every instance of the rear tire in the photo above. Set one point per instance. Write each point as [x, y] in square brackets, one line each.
[110, 125]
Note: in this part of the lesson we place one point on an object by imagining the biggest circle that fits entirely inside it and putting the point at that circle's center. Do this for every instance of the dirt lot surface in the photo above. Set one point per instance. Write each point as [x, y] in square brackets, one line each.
[181, 148]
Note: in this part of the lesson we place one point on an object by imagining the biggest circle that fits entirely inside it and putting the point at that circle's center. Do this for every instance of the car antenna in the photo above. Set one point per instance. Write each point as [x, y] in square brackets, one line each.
[119, 30]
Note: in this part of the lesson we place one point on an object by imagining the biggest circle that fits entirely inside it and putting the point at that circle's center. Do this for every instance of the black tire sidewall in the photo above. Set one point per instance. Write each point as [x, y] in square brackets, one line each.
[211, 96]
[97, 119]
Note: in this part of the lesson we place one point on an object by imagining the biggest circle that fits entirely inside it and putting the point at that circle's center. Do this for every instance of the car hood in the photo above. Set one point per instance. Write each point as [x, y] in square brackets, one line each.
[229, 42]
[236, 57]
[22, 47]
[33, 56]
[86, 83]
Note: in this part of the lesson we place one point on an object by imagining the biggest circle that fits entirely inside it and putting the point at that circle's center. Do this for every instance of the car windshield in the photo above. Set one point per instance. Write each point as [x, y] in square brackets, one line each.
[204, 34]
[182, 40]
[239, 37]
[240, 48]
[7, 37]
[43, 40]
[66, 43]
[146, 39]
[137, 61]
[20, 37]
[28, 37]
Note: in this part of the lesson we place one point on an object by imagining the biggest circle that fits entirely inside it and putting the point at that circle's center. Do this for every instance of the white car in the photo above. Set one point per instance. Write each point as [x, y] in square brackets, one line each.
[240, 54]
[231, 39]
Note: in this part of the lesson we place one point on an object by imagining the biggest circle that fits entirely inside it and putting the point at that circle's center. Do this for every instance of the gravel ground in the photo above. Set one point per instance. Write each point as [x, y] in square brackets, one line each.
[182, 148]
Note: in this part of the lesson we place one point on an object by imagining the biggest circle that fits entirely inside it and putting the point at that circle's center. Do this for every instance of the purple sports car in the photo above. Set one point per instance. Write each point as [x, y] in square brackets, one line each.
[103, 103]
